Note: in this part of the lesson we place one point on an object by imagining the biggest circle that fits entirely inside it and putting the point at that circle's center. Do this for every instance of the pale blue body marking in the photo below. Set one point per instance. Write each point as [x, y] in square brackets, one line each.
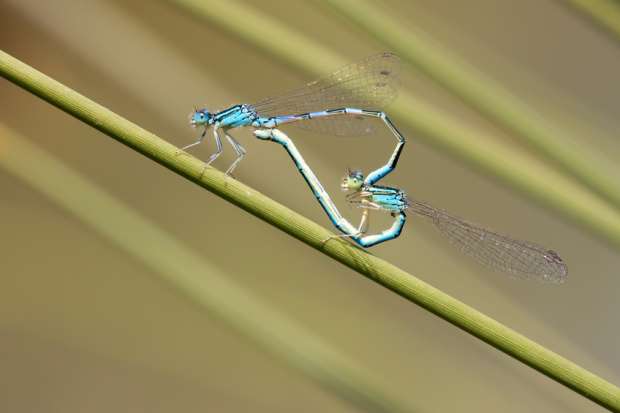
[355, 234]
[368, 84]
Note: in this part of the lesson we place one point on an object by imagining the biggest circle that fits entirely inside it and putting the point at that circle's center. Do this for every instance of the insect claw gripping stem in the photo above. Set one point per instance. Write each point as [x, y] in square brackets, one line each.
[331, 237]
[198, 142]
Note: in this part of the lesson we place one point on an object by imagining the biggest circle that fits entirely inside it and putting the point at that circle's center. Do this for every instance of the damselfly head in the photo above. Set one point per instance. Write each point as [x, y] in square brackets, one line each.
[199, 117]
[353, 180]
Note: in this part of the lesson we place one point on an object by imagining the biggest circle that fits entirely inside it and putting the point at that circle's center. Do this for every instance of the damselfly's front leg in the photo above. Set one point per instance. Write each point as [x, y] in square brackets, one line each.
[198, 142]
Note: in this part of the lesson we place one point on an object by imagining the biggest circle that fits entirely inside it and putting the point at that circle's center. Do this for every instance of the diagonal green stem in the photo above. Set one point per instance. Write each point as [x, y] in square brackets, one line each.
[193, 275]
[406, 285]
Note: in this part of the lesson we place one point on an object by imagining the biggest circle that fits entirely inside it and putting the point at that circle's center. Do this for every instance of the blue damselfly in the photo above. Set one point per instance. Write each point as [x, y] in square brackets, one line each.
[500, 252]
[339, 104]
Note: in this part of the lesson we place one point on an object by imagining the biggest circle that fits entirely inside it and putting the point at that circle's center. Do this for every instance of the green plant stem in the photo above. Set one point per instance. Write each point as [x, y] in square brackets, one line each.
[380, 271]
[529, 176]
[604, 13]
[196, 277]
[486, 96]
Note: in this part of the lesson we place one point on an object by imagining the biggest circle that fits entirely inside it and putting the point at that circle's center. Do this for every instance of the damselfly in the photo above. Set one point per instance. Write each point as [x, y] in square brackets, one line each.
[500, 252]
[340, 104]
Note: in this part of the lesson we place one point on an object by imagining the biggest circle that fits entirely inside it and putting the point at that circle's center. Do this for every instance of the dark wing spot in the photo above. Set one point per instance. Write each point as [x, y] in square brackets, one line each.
[385, 72]
[553, 256]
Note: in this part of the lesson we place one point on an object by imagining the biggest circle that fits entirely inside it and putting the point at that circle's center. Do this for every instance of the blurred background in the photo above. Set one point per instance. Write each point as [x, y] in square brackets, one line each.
[87, 326]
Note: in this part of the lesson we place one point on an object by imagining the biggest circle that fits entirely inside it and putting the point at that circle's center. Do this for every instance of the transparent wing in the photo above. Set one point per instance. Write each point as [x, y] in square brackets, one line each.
[494, 250]
[338, 125]
[369, 84]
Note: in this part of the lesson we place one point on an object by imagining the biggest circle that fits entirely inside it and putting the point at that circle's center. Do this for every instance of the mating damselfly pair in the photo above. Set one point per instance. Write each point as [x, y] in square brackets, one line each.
[343, 103]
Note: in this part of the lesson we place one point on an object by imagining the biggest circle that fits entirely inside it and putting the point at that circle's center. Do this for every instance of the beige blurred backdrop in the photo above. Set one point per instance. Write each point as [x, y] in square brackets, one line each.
[86, 327]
